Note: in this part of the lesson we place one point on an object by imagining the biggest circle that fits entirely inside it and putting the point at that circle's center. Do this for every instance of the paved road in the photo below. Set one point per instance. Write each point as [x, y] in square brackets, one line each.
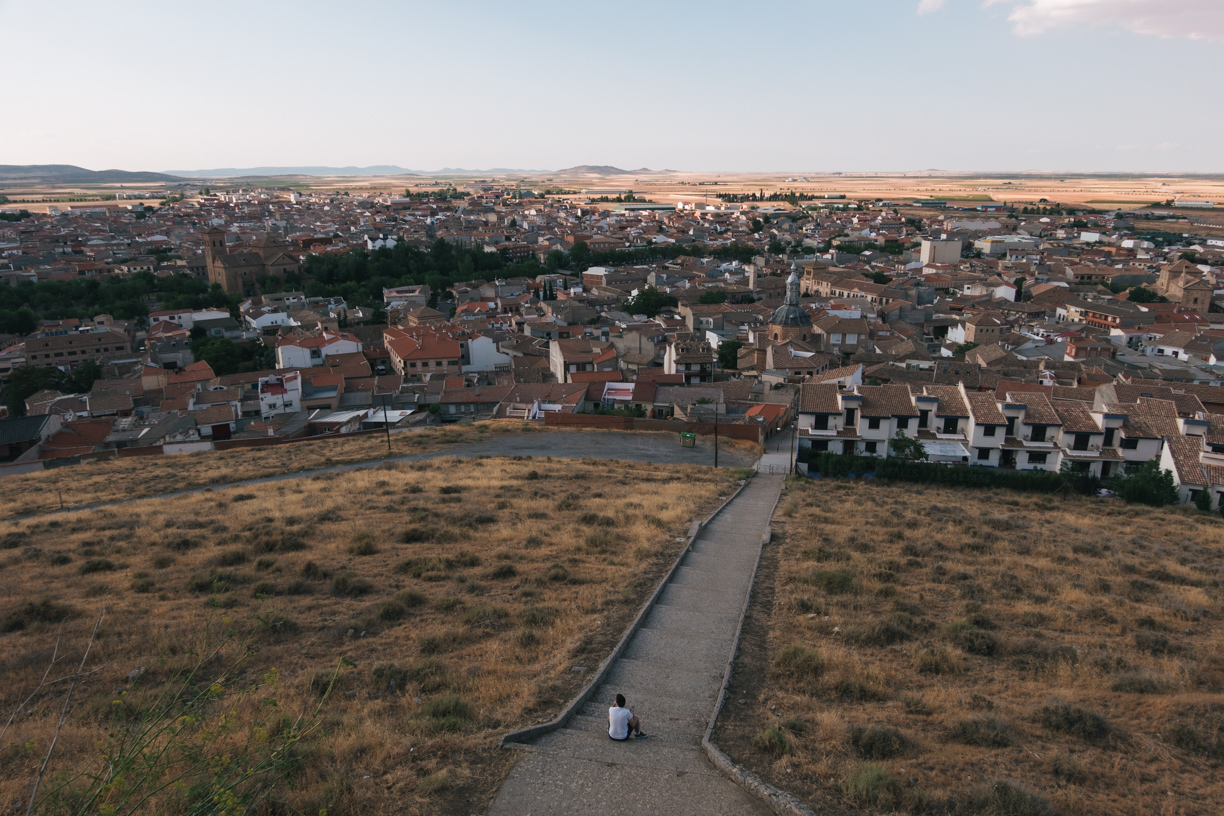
[671, 674]
[659, 448]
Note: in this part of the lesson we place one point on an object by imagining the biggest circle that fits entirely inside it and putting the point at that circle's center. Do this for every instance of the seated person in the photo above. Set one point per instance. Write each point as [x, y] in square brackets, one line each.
[622, 721]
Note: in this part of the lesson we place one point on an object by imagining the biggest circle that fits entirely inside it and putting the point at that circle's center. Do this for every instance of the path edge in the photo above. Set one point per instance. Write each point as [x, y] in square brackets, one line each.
[776, 799]
[584, 695]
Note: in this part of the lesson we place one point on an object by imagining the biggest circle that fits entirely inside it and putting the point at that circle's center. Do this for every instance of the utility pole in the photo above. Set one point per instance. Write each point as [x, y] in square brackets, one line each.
[715, 434]
[795, 432]
[387, 424]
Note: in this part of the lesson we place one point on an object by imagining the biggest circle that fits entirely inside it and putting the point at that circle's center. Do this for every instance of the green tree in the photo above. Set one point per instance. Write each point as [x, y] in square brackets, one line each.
[1146, 484]
[1139, 294]
[1202, 500]
[728, 354]
[776, 247]
[756, 225]
[649, 301]
[580, 256]
[554, 260]
[907, 447]
[26, 381]
[222, 355]
[712, 297]
[965, 348]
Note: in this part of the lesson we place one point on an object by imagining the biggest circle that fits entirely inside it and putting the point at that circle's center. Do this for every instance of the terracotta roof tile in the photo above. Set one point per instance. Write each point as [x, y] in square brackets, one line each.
[819, 398]
[1037, 407]
[1186, 452]
[984, 408]
[887, 401]
[1075, 416]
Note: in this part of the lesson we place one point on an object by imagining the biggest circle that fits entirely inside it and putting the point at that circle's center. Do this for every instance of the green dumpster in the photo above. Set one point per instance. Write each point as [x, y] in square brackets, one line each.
[688, 440]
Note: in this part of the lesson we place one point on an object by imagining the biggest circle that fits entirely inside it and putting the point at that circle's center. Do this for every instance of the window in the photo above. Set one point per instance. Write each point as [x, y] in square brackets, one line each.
[821, 445]
[850, 416]
[1038, 434]
[1081, 442]
[950, 424]
[820, 422]
[903, 423]
[870, 447]
[1109, 437]
[983, 454]
[873, 423]
[1037, 458]
[923, 418]
[990, 430]
[1129, 443]
[1011, 426]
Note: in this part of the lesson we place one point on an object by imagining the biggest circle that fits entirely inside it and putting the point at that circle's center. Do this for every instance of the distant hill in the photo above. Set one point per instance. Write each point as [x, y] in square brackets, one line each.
[71, 174]
[374, 170]
[603, 170]
[232, 172]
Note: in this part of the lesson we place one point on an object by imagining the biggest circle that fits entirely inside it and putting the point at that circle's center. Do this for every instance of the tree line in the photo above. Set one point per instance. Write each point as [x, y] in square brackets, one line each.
[359, 276]
[24, 304]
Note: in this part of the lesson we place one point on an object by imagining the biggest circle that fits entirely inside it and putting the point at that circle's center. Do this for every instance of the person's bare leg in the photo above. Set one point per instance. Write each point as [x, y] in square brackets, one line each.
[634, 725]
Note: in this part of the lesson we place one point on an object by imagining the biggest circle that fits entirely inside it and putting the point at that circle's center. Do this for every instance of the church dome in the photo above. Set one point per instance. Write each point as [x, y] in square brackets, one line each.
[790, 313]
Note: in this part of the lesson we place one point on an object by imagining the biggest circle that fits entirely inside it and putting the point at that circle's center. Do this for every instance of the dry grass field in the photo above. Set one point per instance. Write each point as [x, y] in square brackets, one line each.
[929, 650]
[450, 601]
[118, 479]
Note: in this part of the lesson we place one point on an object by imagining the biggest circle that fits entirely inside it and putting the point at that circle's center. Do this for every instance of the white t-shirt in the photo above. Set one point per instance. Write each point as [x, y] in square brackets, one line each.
[618, 722]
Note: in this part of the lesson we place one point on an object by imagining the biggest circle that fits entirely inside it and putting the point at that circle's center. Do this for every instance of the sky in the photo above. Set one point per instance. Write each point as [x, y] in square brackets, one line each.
[806, 86]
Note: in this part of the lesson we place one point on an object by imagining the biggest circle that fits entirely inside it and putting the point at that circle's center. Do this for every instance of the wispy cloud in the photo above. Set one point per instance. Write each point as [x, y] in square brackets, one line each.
[1192, 19]
[928, 6]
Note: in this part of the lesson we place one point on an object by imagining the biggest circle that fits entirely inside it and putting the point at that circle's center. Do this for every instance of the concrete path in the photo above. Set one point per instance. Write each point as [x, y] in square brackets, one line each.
[671, 674]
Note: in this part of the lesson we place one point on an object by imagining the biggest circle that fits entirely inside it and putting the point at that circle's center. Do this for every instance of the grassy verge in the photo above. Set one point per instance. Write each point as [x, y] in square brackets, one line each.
[118, 479]
[930, 650]
[457, 595]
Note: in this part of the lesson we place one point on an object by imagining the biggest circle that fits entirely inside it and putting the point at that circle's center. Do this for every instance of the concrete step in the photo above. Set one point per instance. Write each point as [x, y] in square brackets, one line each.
[646, 753]
[700, 600]
[718, 577]
[673, 732]
[677, 707]
[641, 680]
[723, 557]
[709, 624]
[552, 784]
[669, 649]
